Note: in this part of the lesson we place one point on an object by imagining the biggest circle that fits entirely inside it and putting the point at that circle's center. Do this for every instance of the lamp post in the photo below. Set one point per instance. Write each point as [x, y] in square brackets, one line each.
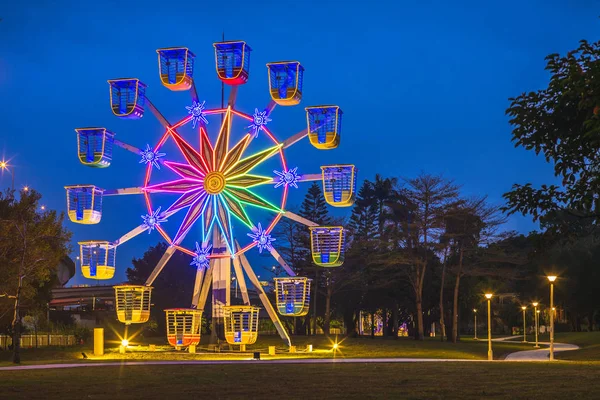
[4, 167]
[524, 308]
[535, 323]
[488, 296]
[551, 278]
[475, 314]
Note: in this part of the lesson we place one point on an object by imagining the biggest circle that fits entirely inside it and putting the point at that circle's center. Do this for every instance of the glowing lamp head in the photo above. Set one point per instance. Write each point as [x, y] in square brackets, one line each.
[475, 310]
[335, 346]
[488, 296]
[26, 188]
[124, 342]
[551, 278]
[535, 304]
[523, 308]
[3, 164]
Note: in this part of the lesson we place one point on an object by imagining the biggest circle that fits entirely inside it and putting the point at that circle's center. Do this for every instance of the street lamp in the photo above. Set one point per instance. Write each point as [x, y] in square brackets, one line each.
[4, 167]
[535, 323]
[551, 278]
[524, 325]
[488, 296]
[475, 314]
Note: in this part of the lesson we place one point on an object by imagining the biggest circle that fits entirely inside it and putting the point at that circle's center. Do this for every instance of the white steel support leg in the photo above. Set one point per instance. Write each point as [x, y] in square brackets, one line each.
[205, 288]
[197, 286]
[265, 300]
[221, 284]
[241, 281]
[161, 264]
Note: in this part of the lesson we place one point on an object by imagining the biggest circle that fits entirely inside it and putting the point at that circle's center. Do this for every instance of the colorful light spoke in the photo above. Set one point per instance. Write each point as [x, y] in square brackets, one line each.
[152, 221]
[150, 156]
[262, 239]
[215, 183]
[288, 178]
[201, 259]
[259, 119]
[196, 110]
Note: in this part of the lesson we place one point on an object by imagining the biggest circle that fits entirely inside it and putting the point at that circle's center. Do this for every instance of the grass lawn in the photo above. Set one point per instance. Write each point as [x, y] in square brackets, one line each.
[451, 380]
[588, 341]
[349, 348]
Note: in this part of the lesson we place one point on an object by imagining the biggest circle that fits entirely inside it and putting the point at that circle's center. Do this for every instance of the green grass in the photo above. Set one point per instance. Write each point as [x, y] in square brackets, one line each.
[349, 348]
[451, 380]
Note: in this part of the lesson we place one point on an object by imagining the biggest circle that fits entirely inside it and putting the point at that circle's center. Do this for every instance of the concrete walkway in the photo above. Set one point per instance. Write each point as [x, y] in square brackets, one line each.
[249, 361]
[540, 354]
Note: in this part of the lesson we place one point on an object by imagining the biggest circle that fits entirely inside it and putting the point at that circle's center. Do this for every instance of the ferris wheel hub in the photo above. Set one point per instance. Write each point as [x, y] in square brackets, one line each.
[214, 182]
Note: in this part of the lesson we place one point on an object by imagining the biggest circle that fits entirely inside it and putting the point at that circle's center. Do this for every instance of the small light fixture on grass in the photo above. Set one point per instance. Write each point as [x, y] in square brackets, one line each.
[335, 346]
[124, 342]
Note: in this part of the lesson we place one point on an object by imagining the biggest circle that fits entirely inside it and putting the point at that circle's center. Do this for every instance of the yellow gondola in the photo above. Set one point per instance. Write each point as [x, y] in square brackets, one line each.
[327, 245]
[176, 67]
[133, 303]
[324, 126]
[97, 259]
[84, 204]
[292, 295]
[241, 325]
[183, 326]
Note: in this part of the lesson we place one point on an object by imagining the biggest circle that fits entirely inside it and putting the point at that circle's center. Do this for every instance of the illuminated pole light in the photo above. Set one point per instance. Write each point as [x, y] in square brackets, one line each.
[200, 259]
[488, 296]
[524, 325]
[150, 156]
[535, 323]
[288, 178]
[196, 110]
[151, 221]
[551, 278]
[259, 119]
[43, 207]
[262, 239]
[475, 314]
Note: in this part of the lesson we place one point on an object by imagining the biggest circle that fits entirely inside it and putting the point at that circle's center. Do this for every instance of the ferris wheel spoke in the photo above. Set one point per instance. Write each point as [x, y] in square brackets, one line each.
[281, 261]
[127, 147]
[310, 177]
[247, 164]
[248, 181]
[194, 92]
[116, 192]
[298, 218]
[295, 138]
[232, 96]
[161, 264]
[158, 114]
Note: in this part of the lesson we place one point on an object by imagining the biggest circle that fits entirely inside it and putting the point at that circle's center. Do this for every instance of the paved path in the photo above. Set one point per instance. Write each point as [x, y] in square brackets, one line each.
[249, 361]
[540, 354]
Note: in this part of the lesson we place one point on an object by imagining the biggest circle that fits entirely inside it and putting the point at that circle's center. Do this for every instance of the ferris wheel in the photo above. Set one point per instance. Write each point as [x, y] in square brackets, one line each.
[228, 202]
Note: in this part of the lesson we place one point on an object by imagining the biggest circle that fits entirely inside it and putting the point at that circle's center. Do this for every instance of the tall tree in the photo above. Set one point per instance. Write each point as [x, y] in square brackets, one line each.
[562, 122]
[314, 208]
[430, 195]
[32, 244]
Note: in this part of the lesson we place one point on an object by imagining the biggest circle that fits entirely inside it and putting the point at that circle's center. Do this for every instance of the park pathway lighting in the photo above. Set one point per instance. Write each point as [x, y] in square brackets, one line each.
[475, 314]
[524, 308]
[535, 323]
[488, 296]
[551, 278]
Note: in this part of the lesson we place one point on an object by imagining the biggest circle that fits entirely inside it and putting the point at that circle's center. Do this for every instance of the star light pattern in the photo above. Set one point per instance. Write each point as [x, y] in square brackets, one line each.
[215, 183]
[151, 156]
[288, 178]
[201, 257]
[259, 120]
[196, 110]
[262, 239]
[153, 220]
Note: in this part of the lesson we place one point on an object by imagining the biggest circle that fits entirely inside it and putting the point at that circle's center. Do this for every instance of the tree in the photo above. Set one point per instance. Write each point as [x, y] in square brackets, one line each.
[314, 208]
[32, 244]
[429, 196]
[562, 122]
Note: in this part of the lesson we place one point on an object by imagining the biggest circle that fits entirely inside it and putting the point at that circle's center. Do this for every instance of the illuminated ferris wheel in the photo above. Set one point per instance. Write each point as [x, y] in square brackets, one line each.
[217, 193]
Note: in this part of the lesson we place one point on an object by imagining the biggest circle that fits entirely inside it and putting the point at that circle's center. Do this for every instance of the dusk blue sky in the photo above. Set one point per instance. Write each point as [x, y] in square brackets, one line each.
[423, 85]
